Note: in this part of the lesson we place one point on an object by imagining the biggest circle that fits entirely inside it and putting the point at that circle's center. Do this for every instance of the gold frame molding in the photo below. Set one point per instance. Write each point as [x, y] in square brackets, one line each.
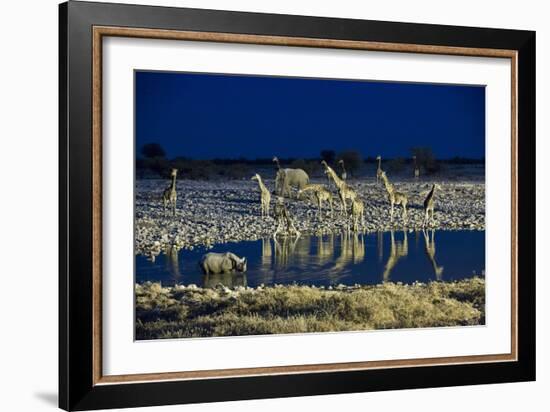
[102, 31]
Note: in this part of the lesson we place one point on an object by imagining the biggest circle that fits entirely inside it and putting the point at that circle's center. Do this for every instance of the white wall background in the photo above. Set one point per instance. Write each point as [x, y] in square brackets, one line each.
[28, 202]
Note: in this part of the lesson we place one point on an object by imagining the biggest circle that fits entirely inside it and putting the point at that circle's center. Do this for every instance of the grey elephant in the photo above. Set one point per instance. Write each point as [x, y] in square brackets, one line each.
[287, 178]
[217, 263]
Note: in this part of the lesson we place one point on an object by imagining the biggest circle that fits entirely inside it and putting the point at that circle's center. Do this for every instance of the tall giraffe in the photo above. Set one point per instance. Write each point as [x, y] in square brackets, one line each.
[344, 175]
[344, 191]
[429, 204]
[395, 197]
[416, 169]
[265, 196]
[379, 169]
[170, 196]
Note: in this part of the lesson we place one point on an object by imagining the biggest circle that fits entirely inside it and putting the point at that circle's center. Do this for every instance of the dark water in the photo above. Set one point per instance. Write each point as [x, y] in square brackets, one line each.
[331, 259]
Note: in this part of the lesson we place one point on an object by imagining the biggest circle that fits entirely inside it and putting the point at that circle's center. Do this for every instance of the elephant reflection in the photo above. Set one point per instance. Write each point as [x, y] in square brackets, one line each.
[229, 280]
[397, 251]
[429, 248]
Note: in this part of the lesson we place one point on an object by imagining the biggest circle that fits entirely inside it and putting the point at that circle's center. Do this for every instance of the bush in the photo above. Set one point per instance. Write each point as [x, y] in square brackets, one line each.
[311, 167]
[152, 150]
[426, 159]
[397, 165]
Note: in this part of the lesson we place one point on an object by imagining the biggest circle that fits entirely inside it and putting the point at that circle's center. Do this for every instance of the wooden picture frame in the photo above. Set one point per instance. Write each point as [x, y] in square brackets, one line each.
[82, 385]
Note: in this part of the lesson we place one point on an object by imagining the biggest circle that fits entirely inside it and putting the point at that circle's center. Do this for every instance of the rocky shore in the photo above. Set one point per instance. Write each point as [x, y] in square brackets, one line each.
[210, 212]
[189, 311]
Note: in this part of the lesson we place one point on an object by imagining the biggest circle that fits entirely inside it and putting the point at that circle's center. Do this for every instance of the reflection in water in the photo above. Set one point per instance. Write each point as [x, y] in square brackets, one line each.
[348, 257]
[266, 251]
[352, 250]
[284, 249]
[380, 245]
[429, 248]
[325, 249]
[172, 263]
[398, 250]
[230, 280]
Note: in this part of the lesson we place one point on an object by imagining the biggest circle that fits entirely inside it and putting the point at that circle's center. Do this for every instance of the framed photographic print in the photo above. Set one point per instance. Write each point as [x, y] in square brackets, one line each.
[257, 205]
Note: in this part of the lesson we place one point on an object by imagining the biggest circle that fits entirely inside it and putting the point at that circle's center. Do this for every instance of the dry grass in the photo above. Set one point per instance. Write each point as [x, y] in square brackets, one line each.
[178, 312]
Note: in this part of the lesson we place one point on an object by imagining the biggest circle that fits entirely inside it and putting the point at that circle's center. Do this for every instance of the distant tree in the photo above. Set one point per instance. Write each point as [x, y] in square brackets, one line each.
[426, 159]
[152, 150]
[396, 165]
[311, 167]
[328, 156]
[352, 160]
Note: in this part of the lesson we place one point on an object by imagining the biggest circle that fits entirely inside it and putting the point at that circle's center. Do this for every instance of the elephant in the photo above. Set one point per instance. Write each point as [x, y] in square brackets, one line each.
[217, 263]
[287, 178]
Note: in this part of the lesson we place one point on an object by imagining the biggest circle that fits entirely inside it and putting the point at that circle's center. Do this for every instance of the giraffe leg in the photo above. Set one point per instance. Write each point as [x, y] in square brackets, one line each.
[426, 213]
[277, 229]
[391, 212]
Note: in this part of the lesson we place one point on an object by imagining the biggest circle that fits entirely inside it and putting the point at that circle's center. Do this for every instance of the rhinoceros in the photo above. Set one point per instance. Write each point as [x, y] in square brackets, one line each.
[222, 263]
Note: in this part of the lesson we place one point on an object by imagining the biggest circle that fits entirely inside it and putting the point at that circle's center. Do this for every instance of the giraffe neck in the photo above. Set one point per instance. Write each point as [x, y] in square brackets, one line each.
[173, 185]
[261, 184]
[432, 192]
[337, 181]
[389, 186]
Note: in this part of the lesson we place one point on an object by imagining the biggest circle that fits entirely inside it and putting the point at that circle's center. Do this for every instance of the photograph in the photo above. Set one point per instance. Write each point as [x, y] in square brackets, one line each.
[274, 205]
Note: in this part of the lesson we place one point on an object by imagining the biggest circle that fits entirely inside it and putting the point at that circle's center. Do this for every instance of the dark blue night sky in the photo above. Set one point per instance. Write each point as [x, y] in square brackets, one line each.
[224, 116]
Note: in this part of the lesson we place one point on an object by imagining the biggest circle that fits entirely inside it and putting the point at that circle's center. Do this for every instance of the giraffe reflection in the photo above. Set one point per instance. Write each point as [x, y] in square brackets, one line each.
[285, 248]
[398, 249]
[325, 249]
[352, 250]
[172, 263]
[429, 248]
[320, 252]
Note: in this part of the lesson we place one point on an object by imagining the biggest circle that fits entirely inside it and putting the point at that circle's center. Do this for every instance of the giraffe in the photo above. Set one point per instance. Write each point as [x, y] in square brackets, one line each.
[397, 251]
[283, 217]
[395, 197]
[416, 169]
[170, 196]
[429, 204]
[265, 196]
[344, 191]
[321, 193]
[357, 213]
[379, 169]
[429, 248]
[344, 175]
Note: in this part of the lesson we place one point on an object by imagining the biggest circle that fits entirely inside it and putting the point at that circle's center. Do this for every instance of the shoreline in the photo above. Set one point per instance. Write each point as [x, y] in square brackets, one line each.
[213, 212]
[190, 311]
